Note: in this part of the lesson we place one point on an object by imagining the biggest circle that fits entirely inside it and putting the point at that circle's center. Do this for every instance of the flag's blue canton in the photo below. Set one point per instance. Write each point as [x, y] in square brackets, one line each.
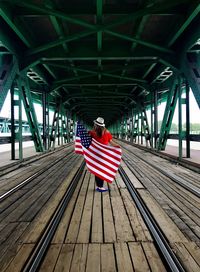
[83, 134]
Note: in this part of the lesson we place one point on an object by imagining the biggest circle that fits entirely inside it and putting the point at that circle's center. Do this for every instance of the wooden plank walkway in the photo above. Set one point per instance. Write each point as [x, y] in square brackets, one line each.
[105, 231]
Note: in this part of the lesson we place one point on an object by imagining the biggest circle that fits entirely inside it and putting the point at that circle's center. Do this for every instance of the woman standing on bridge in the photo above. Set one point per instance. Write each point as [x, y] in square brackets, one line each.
[103, 136]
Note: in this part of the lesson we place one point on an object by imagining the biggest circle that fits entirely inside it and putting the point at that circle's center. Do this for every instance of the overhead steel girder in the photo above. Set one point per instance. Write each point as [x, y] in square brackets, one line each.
[17, 48]
[96, 105]
[107, 75]
[6, 38]
[83, 34]
[5, 13]
[97, 28]
[187, 22]
[100, 96]
[188, 64]
[86, 54]
[95, 82]
[8, 73]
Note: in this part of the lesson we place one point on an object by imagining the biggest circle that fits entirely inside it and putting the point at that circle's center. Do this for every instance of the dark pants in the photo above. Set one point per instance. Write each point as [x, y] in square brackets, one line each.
[99, 182]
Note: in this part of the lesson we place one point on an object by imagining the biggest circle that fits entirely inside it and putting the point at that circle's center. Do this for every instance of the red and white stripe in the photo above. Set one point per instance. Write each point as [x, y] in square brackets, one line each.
[78, 146]
[102, 160]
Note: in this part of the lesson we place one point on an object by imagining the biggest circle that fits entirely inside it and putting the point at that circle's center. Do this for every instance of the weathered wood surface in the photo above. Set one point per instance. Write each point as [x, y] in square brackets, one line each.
[105, 231]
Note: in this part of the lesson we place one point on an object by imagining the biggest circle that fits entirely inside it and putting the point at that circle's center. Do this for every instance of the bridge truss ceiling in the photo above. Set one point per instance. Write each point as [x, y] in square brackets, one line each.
[109, 59]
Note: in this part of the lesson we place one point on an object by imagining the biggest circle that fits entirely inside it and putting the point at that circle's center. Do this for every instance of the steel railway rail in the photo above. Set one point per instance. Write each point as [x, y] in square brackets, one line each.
[182, 182]
[36, 257]
[17, 164]
[168, 255]
[32, 177]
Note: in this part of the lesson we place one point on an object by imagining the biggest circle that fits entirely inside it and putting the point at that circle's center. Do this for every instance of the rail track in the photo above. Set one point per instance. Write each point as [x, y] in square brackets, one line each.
[26, 181]
[35, 259]
[178, 180]
[43, 243]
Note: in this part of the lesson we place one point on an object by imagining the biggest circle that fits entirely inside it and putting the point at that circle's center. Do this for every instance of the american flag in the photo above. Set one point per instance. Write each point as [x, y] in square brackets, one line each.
[102, 160]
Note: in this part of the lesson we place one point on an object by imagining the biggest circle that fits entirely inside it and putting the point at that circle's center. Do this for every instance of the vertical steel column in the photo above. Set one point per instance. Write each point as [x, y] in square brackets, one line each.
[44, 111]
[152, 114]
[180, 146]
[187, 120]
[58, 124]
[141, 126]
[12, 124]
[131, 126]
[155, 117]
[20, 126]
[16, 136]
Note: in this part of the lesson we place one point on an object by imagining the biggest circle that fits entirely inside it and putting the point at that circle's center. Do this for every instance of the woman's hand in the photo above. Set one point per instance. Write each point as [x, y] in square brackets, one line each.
[113, 143]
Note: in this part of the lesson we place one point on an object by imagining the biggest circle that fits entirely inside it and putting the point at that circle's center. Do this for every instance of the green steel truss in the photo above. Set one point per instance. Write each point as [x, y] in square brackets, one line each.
[102, 58]
[168, 115]
[25, 93]
[55, 127]
[8, 72]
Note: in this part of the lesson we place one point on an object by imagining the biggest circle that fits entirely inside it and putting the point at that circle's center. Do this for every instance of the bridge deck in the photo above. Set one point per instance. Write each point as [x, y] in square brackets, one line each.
[101, 231]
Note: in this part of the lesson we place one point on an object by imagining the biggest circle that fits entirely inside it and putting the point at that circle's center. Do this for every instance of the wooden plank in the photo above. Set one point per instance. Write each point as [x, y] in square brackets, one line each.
[10, 245]
[79, 258]
[119, 181]
[28, 205]
[85, 225]
[50, 258]
[153, 258]
[138, 257]
[61, 231]
[171, 231]
[194, 251]
[108, 220]
[123, 257]
[93, 258]
[6, 232]
[136, 183]
[73, 230]
[107, 258]
[123, 228]
[39, 223]
[18, 262]
[65, 257]
[140, 230]
[97, 229]
[186, 258]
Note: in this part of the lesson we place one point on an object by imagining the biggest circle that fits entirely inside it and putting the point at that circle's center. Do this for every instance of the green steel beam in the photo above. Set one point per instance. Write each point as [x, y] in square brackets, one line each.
[53, 12]
[88, 53]
[6, 82]
[93, 27]
[99, 4]
[58, 42]
[4, 12]
[83, 9]
[168, 115]
[185, 25]
[24, 88]
[59, 30]
[139, 31]
[105, 74]
[7, 39]
[63, 81]
[124, 19]
[49, 70]
[131, 39]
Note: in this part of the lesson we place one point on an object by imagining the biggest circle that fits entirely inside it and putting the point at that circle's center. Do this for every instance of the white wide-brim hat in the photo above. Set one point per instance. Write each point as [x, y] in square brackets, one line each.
[100, 122]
